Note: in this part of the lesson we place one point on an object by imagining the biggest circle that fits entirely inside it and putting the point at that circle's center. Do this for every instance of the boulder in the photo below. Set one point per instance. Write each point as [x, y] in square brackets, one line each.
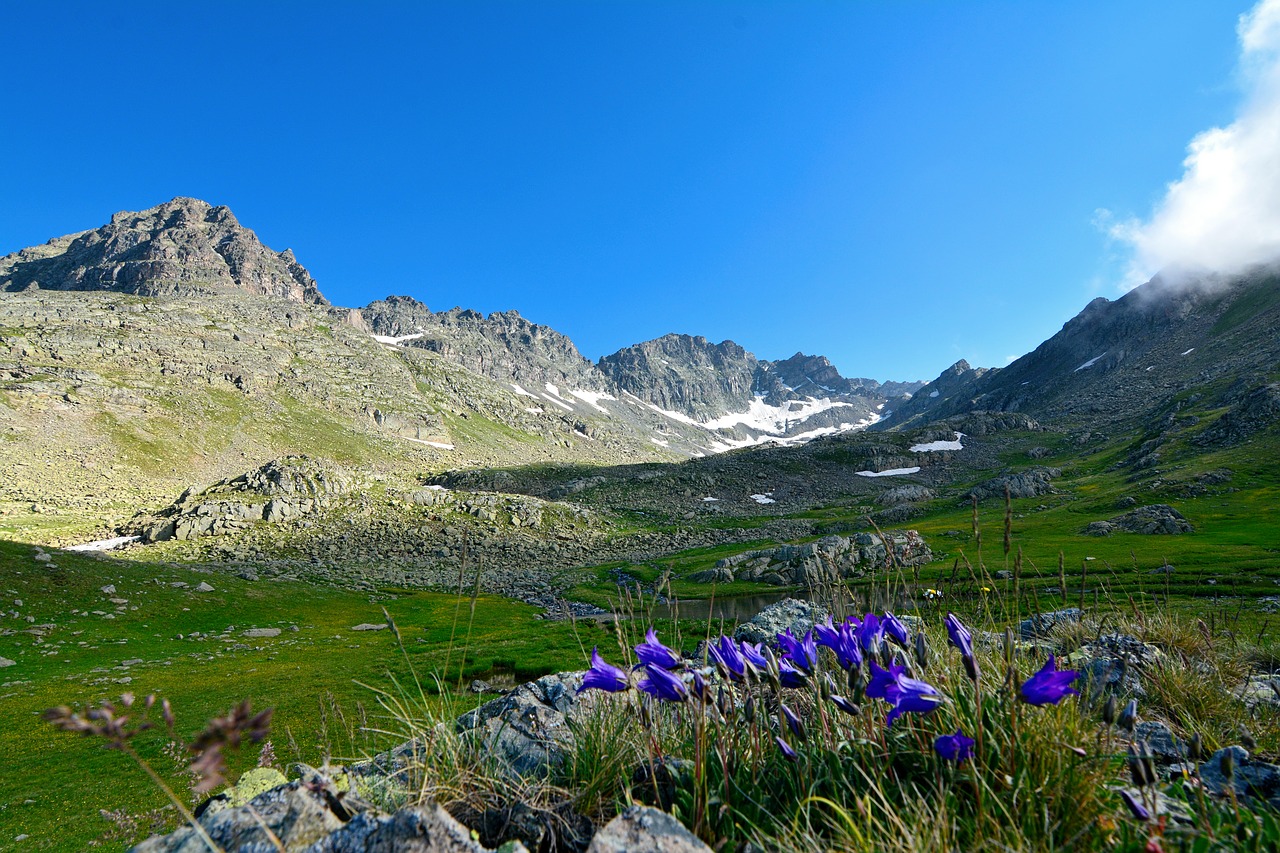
[1026, 484]
[1114, 663]
[642, 829]
[792, 614]
[527, 729]
[1250, 777]
[718, 574]
[1151, 520]
[1041, 624]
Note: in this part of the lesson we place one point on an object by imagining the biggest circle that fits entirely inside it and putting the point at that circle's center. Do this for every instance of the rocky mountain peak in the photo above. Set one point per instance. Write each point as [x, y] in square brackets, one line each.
[180, 248]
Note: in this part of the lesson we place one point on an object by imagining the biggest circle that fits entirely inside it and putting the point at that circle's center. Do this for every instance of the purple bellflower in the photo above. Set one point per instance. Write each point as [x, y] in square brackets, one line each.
[845, 705]
[793, 722]
[1138, 810]
[726, 655]
[661, 684]
[826, 634]
[882, 680]
[754, 655]
[787, 752]
[791, 676]
[848, 650]
[896, 631]
[954, 747]
[870, 633]
[652, 653]
[603, 676]
[802, 653]
[1049, 686]
[961, 637]
[912, 696]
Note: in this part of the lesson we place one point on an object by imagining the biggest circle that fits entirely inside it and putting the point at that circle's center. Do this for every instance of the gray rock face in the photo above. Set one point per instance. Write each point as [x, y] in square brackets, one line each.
[1115, 662]
[1250, 777]
[691, 375]
[1255, 411]
[1040, 625]
[527, 729]
[1151, 520]
[1026, 484]
[313, 818]
[292, 487]
[906, 494]
[182, 247]
[641, 829]
[503, 346]
[830, 557]
[790, 614]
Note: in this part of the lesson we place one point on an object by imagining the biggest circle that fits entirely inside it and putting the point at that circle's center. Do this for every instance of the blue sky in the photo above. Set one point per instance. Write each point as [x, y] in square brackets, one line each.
[893, 185]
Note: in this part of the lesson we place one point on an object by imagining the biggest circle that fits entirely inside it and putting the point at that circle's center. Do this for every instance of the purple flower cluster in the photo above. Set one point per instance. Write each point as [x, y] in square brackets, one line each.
[854, 642]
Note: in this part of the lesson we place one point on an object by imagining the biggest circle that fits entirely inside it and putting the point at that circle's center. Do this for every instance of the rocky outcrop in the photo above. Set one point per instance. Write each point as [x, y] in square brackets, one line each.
[281, 490]
[180, 248]
[1149, 520]
[503, 346]
[825, 560]
[791, 614]
[685, 373]
[1026, 484]
[1255, 411]
[528, 729]
[642, 829]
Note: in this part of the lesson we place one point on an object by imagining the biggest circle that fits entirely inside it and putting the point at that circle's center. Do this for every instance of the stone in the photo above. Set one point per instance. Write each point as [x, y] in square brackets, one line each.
[204, 587]
[719, 574]
[1152, 520]
[1251, 778]
[1160, 739]
[642, 829]
[792, 614]
[1114, 663]
[369, 626]
[527, 729]
[260, 632]
[109, 589]
[6, 662]
[1042, 624]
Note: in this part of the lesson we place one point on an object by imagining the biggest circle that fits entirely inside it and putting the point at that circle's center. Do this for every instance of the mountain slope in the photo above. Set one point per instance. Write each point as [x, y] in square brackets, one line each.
[1119, 361]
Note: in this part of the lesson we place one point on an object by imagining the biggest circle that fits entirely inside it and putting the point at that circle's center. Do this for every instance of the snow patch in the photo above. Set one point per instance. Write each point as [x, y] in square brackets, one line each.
[929, 446]
[437, 489]
[1090, 363]
[534, 411]
[660, 442]
[1188, 352]
[763, 499]
[593, 398]
[933, 394]
[515, 386]
[439, 445]
[396, 341]
[892, 472]
[104, 544]
[709, 500]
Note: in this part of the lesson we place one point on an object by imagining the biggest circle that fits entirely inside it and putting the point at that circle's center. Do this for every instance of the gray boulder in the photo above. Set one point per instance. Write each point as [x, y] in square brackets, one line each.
[527, 729]
[1026, 484]
[1151, 520]
[792, 614]
[1041, 624]
[1250, 777]
[641, 829]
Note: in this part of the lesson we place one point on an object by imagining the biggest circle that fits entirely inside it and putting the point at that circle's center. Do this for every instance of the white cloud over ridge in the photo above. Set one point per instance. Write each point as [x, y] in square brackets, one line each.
[1223, 214]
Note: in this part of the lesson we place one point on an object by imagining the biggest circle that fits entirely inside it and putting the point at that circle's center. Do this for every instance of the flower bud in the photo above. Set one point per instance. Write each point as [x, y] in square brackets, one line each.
[922, 651]
[1109, 710]
[1128, 719]
[1195, 747]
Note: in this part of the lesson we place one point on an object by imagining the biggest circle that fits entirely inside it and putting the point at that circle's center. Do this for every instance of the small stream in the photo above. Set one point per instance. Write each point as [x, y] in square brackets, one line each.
[741, 608]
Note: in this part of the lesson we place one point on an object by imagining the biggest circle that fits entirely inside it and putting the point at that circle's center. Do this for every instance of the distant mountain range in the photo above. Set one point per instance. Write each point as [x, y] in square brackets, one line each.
[683, 392]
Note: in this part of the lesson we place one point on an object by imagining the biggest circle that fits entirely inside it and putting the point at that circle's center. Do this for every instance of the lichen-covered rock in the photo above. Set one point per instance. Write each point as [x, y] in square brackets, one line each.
[1250, 777]
[790, 614]
[527, 729]
[1114, 663]
[831, 557]
[1150, 520]
[1025, 484]
[641, 829]
[1041, 624]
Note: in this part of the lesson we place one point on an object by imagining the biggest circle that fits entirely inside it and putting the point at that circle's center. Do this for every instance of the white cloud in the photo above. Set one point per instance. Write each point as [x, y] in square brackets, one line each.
[1223, 214]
